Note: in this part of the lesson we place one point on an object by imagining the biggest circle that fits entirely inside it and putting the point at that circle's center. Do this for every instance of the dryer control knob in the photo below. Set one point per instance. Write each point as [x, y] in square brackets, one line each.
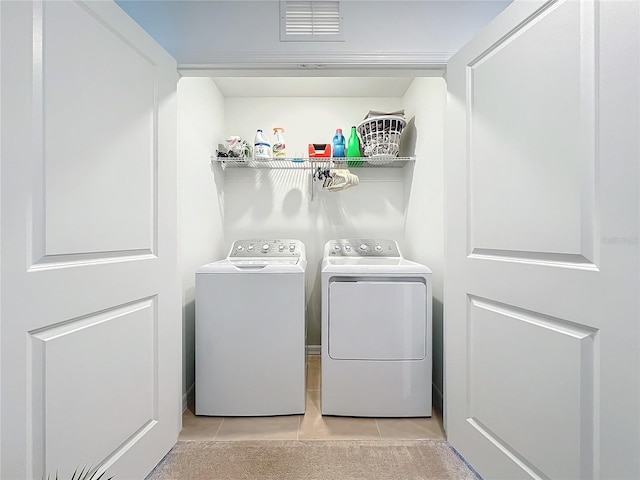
[363, 247]
[281, 248]
[239, 248]
[292, 247]
[265, 247]
[336, 247]
[250, 248]
[378, 248]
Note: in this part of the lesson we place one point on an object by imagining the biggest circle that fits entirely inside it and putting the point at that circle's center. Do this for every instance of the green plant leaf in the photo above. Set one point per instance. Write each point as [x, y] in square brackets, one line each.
[85, 473]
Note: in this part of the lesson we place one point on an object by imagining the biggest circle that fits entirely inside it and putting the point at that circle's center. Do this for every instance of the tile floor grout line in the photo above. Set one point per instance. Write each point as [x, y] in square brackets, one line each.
[215, 435]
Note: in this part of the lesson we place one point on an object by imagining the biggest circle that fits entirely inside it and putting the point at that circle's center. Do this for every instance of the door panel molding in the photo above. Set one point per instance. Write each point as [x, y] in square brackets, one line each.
[516, 30]
[566, 327]
[49, 262]
[501, 445]
[73, 222]
[546, 214]
[565, 260]
[74, 359]
[530, 364]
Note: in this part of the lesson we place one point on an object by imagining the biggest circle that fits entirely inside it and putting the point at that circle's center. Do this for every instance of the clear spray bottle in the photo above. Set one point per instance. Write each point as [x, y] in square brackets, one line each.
[279, 147]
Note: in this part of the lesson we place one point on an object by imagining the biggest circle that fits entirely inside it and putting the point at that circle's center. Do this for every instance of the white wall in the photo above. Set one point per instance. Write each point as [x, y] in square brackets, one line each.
[425, 102]
[200, 127]
[277, 203]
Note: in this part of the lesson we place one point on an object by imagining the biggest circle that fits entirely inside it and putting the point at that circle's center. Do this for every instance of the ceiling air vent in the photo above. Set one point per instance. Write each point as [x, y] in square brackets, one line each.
[310, 21]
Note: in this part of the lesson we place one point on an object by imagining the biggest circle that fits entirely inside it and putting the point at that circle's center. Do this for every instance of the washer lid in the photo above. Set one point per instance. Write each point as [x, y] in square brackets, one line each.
[254, 266]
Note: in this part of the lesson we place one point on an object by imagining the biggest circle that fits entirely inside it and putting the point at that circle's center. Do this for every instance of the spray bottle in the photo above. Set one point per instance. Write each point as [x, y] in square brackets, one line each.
[279, 147]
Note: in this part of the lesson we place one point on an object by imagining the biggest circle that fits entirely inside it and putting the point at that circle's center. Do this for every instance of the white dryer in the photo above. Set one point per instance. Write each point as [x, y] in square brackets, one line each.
[250, 331]
[376, 331]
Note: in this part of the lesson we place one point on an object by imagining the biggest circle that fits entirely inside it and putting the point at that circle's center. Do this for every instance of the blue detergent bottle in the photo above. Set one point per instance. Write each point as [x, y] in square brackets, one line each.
[338, 144]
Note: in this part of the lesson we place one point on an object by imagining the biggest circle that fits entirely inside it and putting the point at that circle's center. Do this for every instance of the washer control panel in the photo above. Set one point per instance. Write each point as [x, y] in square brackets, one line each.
[266, 248]
[363, 247]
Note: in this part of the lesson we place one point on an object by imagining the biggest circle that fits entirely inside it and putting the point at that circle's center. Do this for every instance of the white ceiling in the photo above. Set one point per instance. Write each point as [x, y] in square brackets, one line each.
[386, 44]
[206, 33]
[313, 86]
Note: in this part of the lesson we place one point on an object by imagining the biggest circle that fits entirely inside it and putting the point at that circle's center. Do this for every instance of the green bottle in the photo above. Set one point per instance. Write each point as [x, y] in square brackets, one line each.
[353, 149]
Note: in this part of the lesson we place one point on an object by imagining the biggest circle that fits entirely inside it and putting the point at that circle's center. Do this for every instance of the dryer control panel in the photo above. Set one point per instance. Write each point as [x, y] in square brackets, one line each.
[363, 247]
[266, 248]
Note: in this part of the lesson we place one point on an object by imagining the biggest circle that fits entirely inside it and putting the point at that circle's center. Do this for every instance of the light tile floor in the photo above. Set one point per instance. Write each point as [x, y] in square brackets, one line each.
[310, 426]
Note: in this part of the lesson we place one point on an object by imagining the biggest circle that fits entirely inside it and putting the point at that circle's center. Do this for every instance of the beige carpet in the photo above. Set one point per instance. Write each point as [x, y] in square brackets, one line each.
[312, 460]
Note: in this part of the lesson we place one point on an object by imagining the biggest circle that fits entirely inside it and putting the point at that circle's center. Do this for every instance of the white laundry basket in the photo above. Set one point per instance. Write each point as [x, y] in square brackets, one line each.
[380, 137]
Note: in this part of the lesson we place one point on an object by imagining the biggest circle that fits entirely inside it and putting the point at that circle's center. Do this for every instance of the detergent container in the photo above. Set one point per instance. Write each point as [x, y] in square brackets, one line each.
[338, 143]
[262, 147]
[353, 149]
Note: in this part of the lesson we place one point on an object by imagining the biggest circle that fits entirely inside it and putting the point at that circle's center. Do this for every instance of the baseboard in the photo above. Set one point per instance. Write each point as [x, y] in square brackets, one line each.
[313, 349]
[188, 397]
[437, 398]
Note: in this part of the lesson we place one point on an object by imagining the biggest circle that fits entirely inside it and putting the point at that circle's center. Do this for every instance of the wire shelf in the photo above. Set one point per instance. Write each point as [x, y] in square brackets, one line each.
[312, 163]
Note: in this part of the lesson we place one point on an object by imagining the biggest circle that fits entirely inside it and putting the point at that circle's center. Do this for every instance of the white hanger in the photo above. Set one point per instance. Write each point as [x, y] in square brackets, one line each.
[341, 179]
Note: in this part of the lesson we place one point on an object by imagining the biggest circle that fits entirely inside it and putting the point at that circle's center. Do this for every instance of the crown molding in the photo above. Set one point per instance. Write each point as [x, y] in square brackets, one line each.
[320, 63]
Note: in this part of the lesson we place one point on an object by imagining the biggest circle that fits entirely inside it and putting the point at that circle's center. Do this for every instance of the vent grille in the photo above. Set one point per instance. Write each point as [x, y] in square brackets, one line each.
[310, 21]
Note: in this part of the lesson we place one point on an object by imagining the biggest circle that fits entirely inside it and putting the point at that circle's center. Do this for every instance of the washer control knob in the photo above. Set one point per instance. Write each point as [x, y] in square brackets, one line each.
[378, 248]
[281, 248]
[336, 247]
[347, 248]
[363, 247]
[239, 248]
[265, 247]
[292, 247]
[250, 248]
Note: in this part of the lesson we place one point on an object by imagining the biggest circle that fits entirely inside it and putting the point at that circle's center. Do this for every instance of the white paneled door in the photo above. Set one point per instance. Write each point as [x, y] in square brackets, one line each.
[542, 263]
[90, 300]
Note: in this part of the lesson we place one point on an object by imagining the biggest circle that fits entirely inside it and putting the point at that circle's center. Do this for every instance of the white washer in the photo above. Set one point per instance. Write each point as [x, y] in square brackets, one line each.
[250, 331]
[376, 331]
